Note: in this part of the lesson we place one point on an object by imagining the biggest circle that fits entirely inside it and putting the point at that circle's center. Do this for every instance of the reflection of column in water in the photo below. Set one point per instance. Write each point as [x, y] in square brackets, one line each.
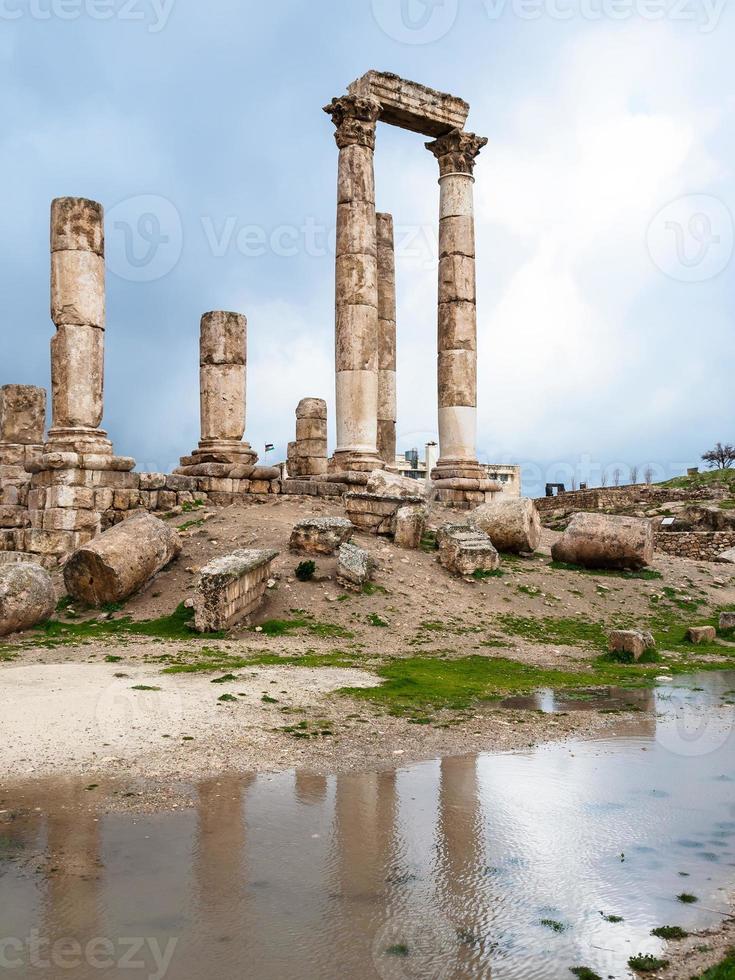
[71, 907]
[310, 788]
[461, 859]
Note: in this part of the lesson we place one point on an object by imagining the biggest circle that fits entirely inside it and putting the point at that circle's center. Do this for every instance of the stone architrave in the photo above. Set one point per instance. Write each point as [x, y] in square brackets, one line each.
[387, 410]
[457, 318]
[356, 286]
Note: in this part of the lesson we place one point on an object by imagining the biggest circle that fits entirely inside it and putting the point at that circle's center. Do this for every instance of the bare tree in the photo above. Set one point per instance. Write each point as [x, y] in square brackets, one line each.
[616, 476]
[721, 457]
[648, 474]
[603, 478]
[634, 474]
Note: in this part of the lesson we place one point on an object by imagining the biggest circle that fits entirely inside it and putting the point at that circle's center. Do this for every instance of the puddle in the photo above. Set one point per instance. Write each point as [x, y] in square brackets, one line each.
[445, 869]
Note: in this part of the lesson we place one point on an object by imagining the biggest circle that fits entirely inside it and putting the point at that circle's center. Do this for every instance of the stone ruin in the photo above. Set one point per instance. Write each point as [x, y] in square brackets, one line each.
[59, 491]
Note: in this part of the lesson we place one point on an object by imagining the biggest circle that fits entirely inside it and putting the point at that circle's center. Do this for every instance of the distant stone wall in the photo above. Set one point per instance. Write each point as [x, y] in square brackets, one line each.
[696, 545]
[604, 498]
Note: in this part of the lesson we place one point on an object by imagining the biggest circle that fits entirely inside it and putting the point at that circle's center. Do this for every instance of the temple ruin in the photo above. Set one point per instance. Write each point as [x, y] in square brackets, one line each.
[59, 491]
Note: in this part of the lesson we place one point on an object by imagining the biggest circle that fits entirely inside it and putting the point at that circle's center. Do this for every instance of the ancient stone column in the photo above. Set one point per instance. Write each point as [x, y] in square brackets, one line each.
[78, 310]
[356, 292]
[307, 455]
[386, 340]
[456, 153]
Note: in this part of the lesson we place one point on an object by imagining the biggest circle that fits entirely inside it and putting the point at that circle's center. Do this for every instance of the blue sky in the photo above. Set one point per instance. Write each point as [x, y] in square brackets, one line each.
[604, 210]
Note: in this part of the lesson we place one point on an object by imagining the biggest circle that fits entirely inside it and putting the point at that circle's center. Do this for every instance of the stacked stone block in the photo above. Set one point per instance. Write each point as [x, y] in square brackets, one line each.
[22, 424]
[307, 455]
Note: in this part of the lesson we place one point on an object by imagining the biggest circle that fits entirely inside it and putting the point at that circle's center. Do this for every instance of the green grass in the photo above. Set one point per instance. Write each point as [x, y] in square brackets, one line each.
[647, 963]
[569, 631]
[687, 898]
[372, 588]
[376, 620]
[584, 973]
[177, 626]
[216, 661]
[645, 574]
[480, 575]
[710, 478]
[725, 970]
[285, 627]
[188, 525]
[669, 932]
[554, 925]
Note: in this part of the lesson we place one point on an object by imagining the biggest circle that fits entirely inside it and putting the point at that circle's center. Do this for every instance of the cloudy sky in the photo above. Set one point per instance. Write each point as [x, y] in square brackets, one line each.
[604, 207]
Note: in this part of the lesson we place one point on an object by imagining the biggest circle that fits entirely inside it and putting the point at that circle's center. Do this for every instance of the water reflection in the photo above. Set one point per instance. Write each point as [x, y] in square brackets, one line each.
[499, 865]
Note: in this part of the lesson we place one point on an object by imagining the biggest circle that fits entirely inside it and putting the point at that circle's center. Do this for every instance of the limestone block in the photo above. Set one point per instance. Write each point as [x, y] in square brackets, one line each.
[387, 399]
[357, 281]
[457, 326]
[167, 499]
[727, 620]
[456, 279]
[727, 557]
[77, 224]
[311, 408]
[66, 519]
[223, 338]
[512, 525]
[383, 483]
[457, 378]
[701, 634]
[104, 461]
[222, 397]
[457, 236]
[411, 105]
[606, 541]
[121, 561]
[37, 499]
[103, 498]
[13, 516]
[231, 588]
[78, 498]
[355, 175]
[27, 596]
[634, 642]
[78, 288]
[356, 338]
[410, 526]
[22, 416]
[466, 551]
[13, 455]
[356, 229]
[126, 499]
[311, 428]
[353, 565]
[77, 375]
[320, 535]
[39, 541]
[152, 481]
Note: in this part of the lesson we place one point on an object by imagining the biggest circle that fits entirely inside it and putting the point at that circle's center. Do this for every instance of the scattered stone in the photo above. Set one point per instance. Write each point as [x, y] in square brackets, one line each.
[231, 588]
[27, 596]
[321, 535]
[701, 634]
[354, 565]
[121, 561]
[606, 541]
[410, 526]
[635, 642]
[727, 620]
[727, 557]
[513, 524]
[465, 550]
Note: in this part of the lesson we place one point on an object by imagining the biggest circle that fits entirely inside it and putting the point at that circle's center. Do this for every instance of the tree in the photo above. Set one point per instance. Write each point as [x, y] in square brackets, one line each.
[616, 476]
[634, 474]
[603, 479]
[648, 474]
[721, 457]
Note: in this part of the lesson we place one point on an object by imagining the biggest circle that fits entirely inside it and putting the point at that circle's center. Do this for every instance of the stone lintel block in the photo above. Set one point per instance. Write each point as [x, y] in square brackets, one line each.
[356, 229]
[78, 288]
[231, 588]
[355, 175]
[223, 338]
[77, 224]
[457, 236]
[312, 408]
[411, 105]
[457, 326]
[457, 378]
[22, 415]
[77, 498]
[357, 281]
[456, 279]
[356, 338]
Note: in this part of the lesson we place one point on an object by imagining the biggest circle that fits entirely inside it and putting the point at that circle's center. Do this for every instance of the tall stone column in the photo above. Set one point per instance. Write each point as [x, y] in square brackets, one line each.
[457, 468]
[387, 411]
[356, 288]
[222, 392]
[78, 311]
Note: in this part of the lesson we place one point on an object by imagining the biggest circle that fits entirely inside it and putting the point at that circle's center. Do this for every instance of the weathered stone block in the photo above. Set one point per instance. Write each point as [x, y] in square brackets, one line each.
[66, 519]
[22, 416]
[411, 105]
[465, 551]
[727, 620]
[27, 596]
[410, 526]
[231, 588]
[606, 541]
[13, 516]
[78, 498]
[320, 535]
[77, 288]
[383, 483]
[634, 642]
[512, 525]
[353, 565]
[77, 224]
[701, 634]
[122, 560]
[223, 338]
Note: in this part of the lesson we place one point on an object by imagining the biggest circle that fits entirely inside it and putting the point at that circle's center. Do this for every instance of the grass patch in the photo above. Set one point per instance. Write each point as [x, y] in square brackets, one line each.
[188, 525]
[568, 631]
[646, 963]
[144, 687]
[724, 971]
[176, 626]
[554, 925]
[687, 898]
[285, 627]
[584, 973]
[669, 932]
[209, 661]
[372, 588]
[376, 620]
[428, 542]
[480, 574]
[645, 574]
[190, 505]
[710, 478]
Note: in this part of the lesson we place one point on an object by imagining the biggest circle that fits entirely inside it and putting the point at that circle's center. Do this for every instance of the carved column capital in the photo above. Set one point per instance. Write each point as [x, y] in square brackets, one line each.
[355, 118]
[457, 151]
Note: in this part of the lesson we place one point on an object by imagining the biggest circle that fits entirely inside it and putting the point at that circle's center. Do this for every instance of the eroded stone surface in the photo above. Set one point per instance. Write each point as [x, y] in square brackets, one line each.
[634, 642]
[606, 541]
[321, 535]
[410, 525]
[27, 596]
[383, 483]
[22, 414]
[353, 566]
[411, 105]
[464, 550]
[701, 634]
[231, 588]
[512, 525]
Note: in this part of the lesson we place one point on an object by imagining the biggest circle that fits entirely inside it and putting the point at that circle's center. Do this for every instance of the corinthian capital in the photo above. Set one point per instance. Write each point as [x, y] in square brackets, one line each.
[456, 151]
[355, 119]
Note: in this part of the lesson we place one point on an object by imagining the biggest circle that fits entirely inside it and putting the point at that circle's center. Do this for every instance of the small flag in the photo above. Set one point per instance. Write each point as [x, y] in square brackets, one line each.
[269, 447]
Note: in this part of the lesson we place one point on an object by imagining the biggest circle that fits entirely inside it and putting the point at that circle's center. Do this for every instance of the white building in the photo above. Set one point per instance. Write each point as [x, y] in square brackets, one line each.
[408, 464]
